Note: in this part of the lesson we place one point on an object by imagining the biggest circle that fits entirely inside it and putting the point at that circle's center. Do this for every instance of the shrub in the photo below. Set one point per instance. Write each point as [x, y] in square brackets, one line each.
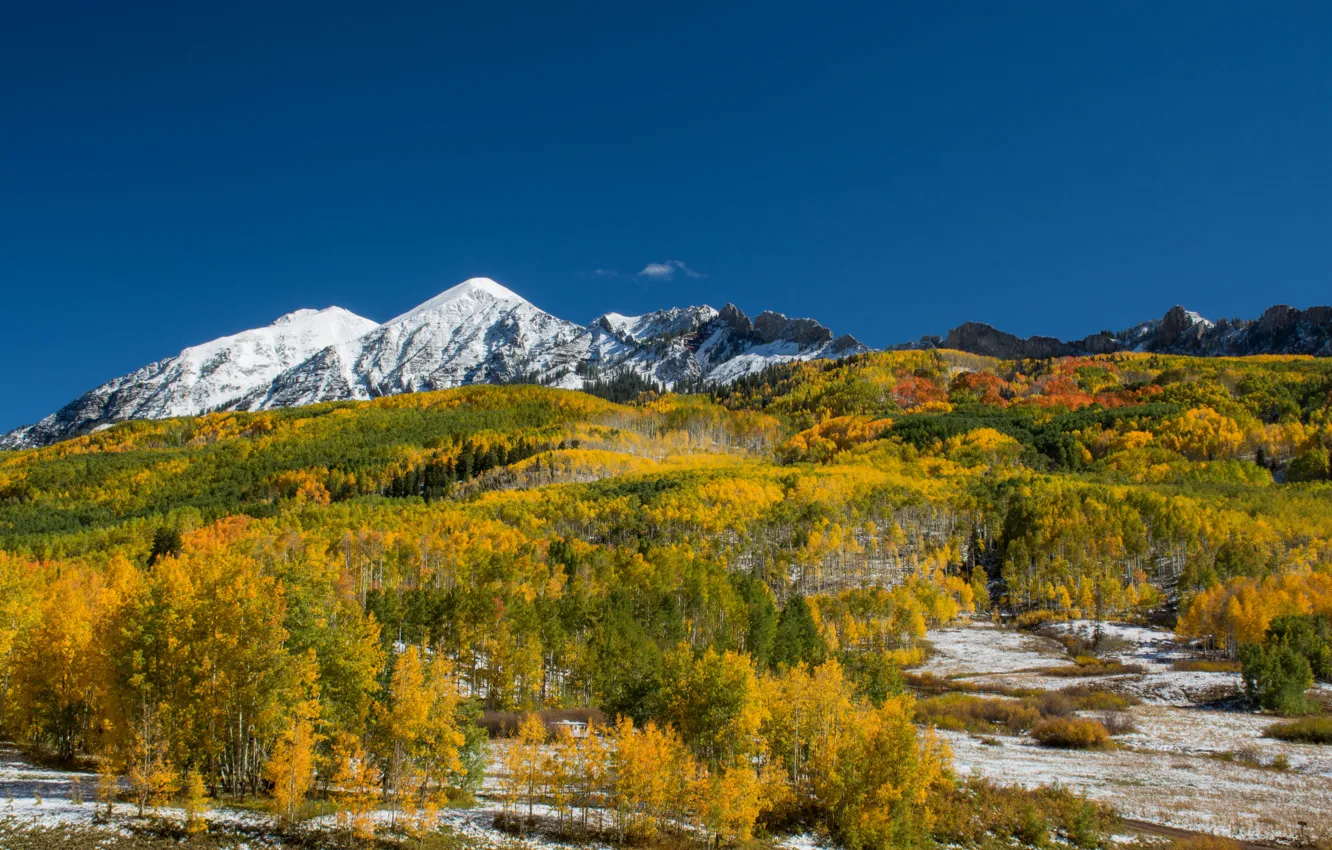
[1088, 666]
[974, 812]
[1063, 703]
[1117, 722]
[1276, 677]
[1306, 730]
[1088, 698]
[1309, 635]
[929, 682]
[1074, 733]
[1055, 704]
[977, 714]
[1252, 757]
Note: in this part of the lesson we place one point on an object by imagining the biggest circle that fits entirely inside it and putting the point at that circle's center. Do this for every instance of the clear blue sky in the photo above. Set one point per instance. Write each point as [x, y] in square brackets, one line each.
[173, 172]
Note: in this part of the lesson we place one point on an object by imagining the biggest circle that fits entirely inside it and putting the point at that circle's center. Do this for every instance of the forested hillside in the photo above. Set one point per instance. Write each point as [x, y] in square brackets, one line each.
[322, 601]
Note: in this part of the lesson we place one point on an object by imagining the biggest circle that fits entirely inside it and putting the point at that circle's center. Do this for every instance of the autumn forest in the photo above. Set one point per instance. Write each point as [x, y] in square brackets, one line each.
[673, 617]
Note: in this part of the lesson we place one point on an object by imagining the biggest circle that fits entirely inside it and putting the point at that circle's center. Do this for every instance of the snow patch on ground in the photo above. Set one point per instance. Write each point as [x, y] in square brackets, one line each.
[983, 648]
[1184, 766]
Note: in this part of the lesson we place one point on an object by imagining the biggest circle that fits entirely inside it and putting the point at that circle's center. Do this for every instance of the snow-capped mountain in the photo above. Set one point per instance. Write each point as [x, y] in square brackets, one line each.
[199, 379]
[476, 332]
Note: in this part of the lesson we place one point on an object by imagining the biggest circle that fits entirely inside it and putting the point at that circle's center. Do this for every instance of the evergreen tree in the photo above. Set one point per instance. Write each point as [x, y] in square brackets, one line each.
[797, 640]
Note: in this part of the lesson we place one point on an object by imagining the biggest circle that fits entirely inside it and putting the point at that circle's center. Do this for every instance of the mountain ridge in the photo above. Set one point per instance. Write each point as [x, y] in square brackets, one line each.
[1280, 330]
[480, 331]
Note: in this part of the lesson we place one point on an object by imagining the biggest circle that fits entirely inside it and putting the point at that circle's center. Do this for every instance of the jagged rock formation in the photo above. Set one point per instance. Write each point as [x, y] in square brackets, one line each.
[1280, 330]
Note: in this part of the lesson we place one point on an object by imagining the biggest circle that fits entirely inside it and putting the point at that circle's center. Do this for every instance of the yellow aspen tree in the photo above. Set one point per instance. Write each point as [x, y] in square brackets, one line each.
[521, 763]
[195, 803]
[108, 783]
[560, 767]
[356, 784]
[441, 737]
[151, 777]
[291, 768]
[730, 802]
[593, 773]
[409, 704]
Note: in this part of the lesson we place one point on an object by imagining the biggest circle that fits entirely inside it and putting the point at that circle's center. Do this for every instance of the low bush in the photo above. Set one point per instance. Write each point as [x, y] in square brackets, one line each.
[975, 812]
[1252, 757]
[1088, 666]
[1089, 698]
[1054, 704]
[931, 683]
[977, 714]
[1117, 722]
[1073, 733]
[1306, 730]
[1032, 619]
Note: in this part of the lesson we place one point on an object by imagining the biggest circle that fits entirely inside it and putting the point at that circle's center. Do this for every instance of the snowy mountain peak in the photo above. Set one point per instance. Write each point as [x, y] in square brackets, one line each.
[477, 289]
[306, 313]
[209, 376]
[293, 316]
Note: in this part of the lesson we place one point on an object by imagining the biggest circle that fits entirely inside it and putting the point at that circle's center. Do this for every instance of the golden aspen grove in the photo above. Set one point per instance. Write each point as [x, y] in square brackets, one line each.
[313, 612]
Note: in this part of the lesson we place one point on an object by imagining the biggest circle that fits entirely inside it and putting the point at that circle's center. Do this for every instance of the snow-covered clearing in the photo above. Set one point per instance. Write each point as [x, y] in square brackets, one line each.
[986, 655]
[983, 648]
[1185, 766]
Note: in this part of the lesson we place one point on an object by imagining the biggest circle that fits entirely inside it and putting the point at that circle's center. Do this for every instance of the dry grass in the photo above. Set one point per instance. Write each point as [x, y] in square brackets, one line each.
[980, 715]
[1207, 665]
[1071, 733]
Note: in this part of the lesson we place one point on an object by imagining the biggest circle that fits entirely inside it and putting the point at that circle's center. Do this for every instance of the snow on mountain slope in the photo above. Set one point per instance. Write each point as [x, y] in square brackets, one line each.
[476, 332]
[686, 346]
[200, 378]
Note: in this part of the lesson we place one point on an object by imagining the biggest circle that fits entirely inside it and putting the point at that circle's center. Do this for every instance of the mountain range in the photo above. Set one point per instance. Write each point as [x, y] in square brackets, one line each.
[476, 332]
[482, 332]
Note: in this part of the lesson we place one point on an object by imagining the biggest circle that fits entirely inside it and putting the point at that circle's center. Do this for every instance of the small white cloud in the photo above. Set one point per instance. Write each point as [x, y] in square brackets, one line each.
[658, 271]
[605, 273]
[667, 270]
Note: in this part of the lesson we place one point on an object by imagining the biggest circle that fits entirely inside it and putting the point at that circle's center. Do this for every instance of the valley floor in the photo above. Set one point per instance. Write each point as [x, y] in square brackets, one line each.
[1186, 766]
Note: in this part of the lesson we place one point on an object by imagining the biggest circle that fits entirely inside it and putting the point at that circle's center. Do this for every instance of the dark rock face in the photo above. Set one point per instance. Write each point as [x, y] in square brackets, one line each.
[772, 327]
[980, 338]
[1173, 325]
[1280, 330]
[736, 319]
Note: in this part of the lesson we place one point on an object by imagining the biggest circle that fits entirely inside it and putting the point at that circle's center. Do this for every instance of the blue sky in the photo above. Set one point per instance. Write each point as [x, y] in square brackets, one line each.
[173, 172]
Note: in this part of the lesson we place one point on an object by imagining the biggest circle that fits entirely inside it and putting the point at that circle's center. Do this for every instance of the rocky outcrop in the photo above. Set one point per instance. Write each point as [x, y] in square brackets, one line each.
[1280, 330]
